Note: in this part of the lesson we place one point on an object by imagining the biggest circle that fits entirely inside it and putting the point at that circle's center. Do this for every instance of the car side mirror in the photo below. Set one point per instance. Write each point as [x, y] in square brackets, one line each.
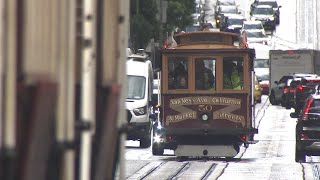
[294, 115]
[276, 82]
[279, 7]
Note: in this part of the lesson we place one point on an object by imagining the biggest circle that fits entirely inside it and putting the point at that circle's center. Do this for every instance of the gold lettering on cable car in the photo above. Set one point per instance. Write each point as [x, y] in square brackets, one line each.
[205, 104]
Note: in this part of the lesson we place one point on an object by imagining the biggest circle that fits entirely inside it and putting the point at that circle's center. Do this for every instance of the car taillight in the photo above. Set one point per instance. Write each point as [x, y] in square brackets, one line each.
[285, 90]
[304, 137]
[244, 137]
[304, 116]
[300, 88]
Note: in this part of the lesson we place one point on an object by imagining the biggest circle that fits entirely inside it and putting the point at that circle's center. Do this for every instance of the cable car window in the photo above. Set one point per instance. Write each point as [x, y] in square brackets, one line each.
[233, 73]
[205, 73]
[178, 73]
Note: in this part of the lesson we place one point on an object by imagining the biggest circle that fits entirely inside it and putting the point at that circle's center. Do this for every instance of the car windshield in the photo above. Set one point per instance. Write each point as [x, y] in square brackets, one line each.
[315, 106]
[264, 77]
[136, 87]
[227, 2]
[192, 28]
[255, 34]
[273, 4]
[261, 63]
[312, 82]
[208, 25]
[252, 26]
[263, 11]
[294, 83]
[228, 9]
[235, 21]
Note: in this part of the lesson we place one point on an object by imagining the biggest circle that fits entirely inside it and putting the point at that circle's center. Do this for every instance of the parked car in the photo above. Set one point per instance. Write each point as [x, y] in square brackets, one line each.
[266, 15]
[305, 88]
[308, 129]
[257, 90]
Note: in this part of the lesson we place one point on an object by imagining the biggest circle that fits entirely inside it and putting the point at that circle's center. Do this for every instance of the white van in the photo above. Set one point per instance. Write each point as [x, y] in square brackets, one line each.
[138, 101]
[261, 65]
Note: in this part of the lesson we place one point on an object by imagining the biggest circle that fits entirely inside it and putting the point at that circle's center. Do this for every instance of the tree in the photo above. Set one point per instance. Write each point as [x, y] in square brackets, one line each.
[180, 14]
[143, 23]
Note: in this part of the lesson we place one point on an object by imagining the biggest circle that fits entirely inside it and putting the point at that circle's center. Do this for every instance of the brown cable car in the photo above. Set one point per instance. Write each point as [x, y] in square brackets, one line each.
[207, 96]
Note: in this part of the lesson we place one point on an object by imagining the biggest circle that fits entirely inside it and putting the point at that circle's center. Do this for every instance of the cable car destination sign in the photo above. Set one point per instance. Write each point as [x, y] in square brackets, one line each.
[205, 104]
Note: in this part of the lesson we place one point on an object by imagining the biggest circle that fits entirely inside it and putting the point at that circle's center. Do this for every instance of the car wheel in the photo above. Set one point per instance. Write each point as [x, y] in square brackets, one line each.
[299, 156]
[283, 101]
[157, 149]
[145, 142]
[272, 99]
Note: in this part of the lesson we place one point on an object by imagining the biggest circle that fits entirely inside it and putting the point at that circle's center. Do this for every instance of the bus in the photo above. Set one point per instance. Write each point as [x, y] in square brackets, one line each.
[206, 106]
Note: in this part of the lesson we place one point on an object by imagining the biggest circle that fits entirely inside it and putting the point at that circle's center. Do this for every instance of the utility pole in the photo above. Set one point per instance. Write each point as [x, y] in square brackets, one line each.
[163, 19]
[88, 87]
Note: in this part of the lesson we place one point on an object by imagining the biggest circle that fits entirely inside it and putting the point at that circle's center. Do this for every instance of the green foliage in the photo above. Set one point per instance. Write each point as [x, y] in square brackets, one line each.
[142, 31]
[145, 25]
[143, 22]
[179, 14]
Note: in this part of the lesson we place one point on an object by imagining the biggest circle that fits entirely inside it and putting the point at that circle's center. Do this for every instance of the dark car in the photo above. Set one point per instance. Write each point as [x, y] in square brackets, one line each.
[224, 10]
[305, 88]
[266, 15]
[276, 93]
[288, 93]
[232, 23]
[308, 129]
[272, 3]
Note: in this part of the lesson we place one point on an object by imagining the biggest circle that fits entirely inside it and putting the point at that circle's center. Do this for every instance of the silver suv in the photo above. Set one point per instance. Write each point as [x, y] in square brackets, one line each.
[266, 15]
[276, 93]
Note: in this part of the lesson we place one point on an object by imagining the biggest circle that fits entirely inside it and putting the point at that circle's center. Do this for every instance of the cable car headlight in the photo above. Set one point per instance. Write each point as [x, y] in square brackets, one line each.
[205, 117]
